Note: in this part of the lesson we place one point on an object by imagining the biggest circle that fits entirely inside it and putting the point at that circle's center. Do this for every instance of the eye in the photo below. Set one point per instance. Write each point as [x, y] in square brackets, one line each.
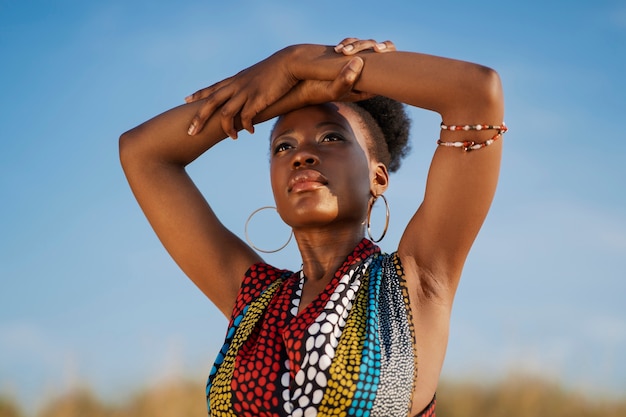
[281, 147]
[332, 137]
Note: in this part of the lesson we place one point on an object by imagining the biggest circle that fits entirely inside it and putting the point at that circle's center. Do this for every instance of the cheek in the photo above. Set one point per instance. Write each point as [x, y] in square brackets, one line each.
[357, 186]
[279, 176]
[274, 178]
[363, 174]
[362, 189]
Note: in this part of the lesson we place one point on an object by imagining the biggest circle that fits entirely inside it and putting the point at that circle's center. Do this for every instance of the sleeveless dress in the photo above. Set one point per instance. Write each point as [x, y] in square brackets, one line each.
[351, 352]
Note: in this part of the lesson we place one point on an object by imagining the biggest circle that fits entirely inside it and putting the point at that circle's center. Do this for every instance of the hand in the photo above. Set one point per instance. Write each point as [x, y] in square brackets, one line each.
[310, 92]
[304, 93]
[351, 46]
[254, 89]
[245, 94]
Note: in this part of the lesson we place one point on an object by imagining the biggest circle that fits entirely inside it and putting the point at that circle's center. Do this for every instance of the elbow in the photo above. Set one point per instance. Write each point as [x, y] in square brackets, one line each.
[129, 147]
[489, 89]
[124, 147]
[476, 95]
[494, 85]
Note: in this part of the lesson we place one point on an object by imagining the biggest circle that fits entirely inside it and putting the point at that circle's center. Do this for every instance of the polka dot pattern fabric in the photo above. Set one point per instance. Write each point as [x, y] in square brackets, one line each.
[351, 352]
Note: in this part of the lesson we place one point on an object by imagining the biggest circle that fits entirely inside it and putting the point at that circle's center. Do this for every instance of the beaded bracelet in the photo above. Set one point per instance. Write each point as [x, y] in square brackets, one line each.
[470, 145]
[502, 128]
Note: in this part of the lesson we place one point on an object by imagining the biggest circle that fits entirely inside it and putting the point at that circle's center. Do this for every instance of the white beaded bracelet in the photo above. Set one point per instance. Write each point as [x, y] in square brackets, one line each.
[470, 145]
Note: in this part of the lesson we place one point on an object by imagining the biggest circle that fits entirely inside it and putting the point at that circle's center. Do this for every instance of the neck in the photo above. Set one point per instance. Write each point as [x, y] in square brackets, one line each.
[323, 252]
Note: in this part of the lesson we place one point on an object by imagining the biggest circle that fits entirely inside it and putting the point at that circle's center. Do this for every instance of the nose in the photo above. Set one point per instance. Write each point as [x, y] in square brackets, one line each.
[304, 158]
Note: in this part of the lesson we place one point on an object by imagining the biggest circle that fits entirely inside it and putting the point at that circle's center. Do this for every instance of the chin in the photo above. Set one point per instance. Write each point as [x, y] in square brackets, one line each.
[306, 215]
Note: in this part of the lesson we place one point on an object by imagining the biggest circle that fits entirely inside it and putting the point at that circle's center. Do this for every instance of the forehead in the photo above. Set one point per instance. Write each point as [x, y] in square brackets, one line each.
[312, 117]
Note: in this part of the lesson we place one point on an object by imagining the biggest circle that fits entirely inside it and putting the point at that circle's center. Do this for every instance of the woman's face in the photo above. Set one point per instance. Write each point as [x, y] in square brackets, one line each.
[320, 171]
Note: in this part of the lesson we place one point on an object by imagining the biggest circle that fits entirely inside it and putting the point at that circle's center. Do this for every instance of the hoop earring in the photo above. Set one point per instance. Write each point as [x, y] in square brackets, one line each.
[369, 214]
[248, 237]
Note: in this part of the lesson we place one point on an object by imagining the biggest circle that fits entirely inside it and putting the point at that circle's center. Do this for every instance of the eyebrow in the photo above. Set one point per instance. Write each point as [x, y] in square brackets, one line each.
[317, 126]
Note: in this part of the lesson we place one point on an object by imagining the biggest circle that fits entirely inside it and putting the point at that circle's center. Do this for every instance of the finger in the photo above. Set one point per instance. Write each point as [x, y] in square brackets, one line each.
[207, 91]
[198, 121]
[343, 43]
[347, 41]
[247, 114]
[342, 85]
[199, 95]
[355, 46]
[228, 112]
[352, 46]
[251, 105]
[255, 103]
[386, 46]
[352, 70]
[210, 105]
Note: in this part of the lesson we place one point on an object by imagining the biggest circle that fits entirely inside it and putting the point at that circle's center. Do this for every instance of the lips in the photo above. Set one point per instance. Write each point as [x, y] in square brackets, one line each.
[306, 180]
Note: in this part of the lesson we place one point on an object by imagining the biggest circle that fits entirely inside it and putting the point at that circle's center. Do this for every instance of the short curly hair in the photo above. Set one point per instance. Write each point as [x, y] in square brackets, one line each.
[389, 125]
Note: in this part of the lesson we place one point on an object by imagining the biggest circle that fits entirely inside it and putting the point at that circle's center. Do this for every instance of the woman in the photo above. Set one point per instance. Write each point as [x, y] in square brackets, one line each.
[343, 335]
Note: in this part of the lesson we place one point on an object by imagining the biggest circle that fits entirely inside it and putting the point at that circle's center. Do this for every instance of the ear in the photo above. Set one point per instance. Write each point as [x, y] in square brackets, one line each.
[380, 179]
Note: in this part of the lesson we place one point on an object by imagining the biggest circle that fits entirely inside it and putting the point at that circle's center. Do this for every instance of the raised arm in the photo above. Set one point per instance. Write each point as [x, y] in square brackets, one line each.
[459, 188]
[460, 184]
[154, 156]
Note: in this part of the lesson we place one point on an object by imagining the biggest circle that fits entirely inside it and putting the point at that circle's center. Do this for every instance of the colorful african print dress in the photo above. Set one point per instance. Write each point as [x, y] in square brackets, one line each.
[351, 352]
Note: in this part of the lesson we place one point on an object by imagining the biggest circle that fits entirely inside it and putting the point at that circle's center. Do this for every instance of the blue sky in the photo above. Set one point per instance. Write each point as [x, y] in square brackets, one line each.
[87, 293]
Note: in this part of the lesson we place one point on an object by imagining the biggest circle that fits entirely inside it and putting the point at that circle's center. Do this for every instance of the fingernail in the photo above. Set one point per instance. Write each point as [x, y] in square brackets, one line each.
[191, 130]
[348, 48]
[338, 48]
[188, 99]
[381, 45]
[355, 64]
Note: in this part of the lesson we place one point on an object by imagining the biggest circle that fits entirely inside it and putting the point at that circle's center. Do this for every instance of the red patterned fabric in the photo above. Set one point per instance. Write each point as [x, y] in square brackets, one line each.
[256, 382]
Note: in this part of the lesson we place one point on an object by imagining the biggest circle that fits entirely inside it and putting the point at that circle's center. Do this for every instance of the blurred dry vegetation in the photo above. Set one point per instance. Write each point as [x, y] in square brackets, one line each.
[514, 397]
